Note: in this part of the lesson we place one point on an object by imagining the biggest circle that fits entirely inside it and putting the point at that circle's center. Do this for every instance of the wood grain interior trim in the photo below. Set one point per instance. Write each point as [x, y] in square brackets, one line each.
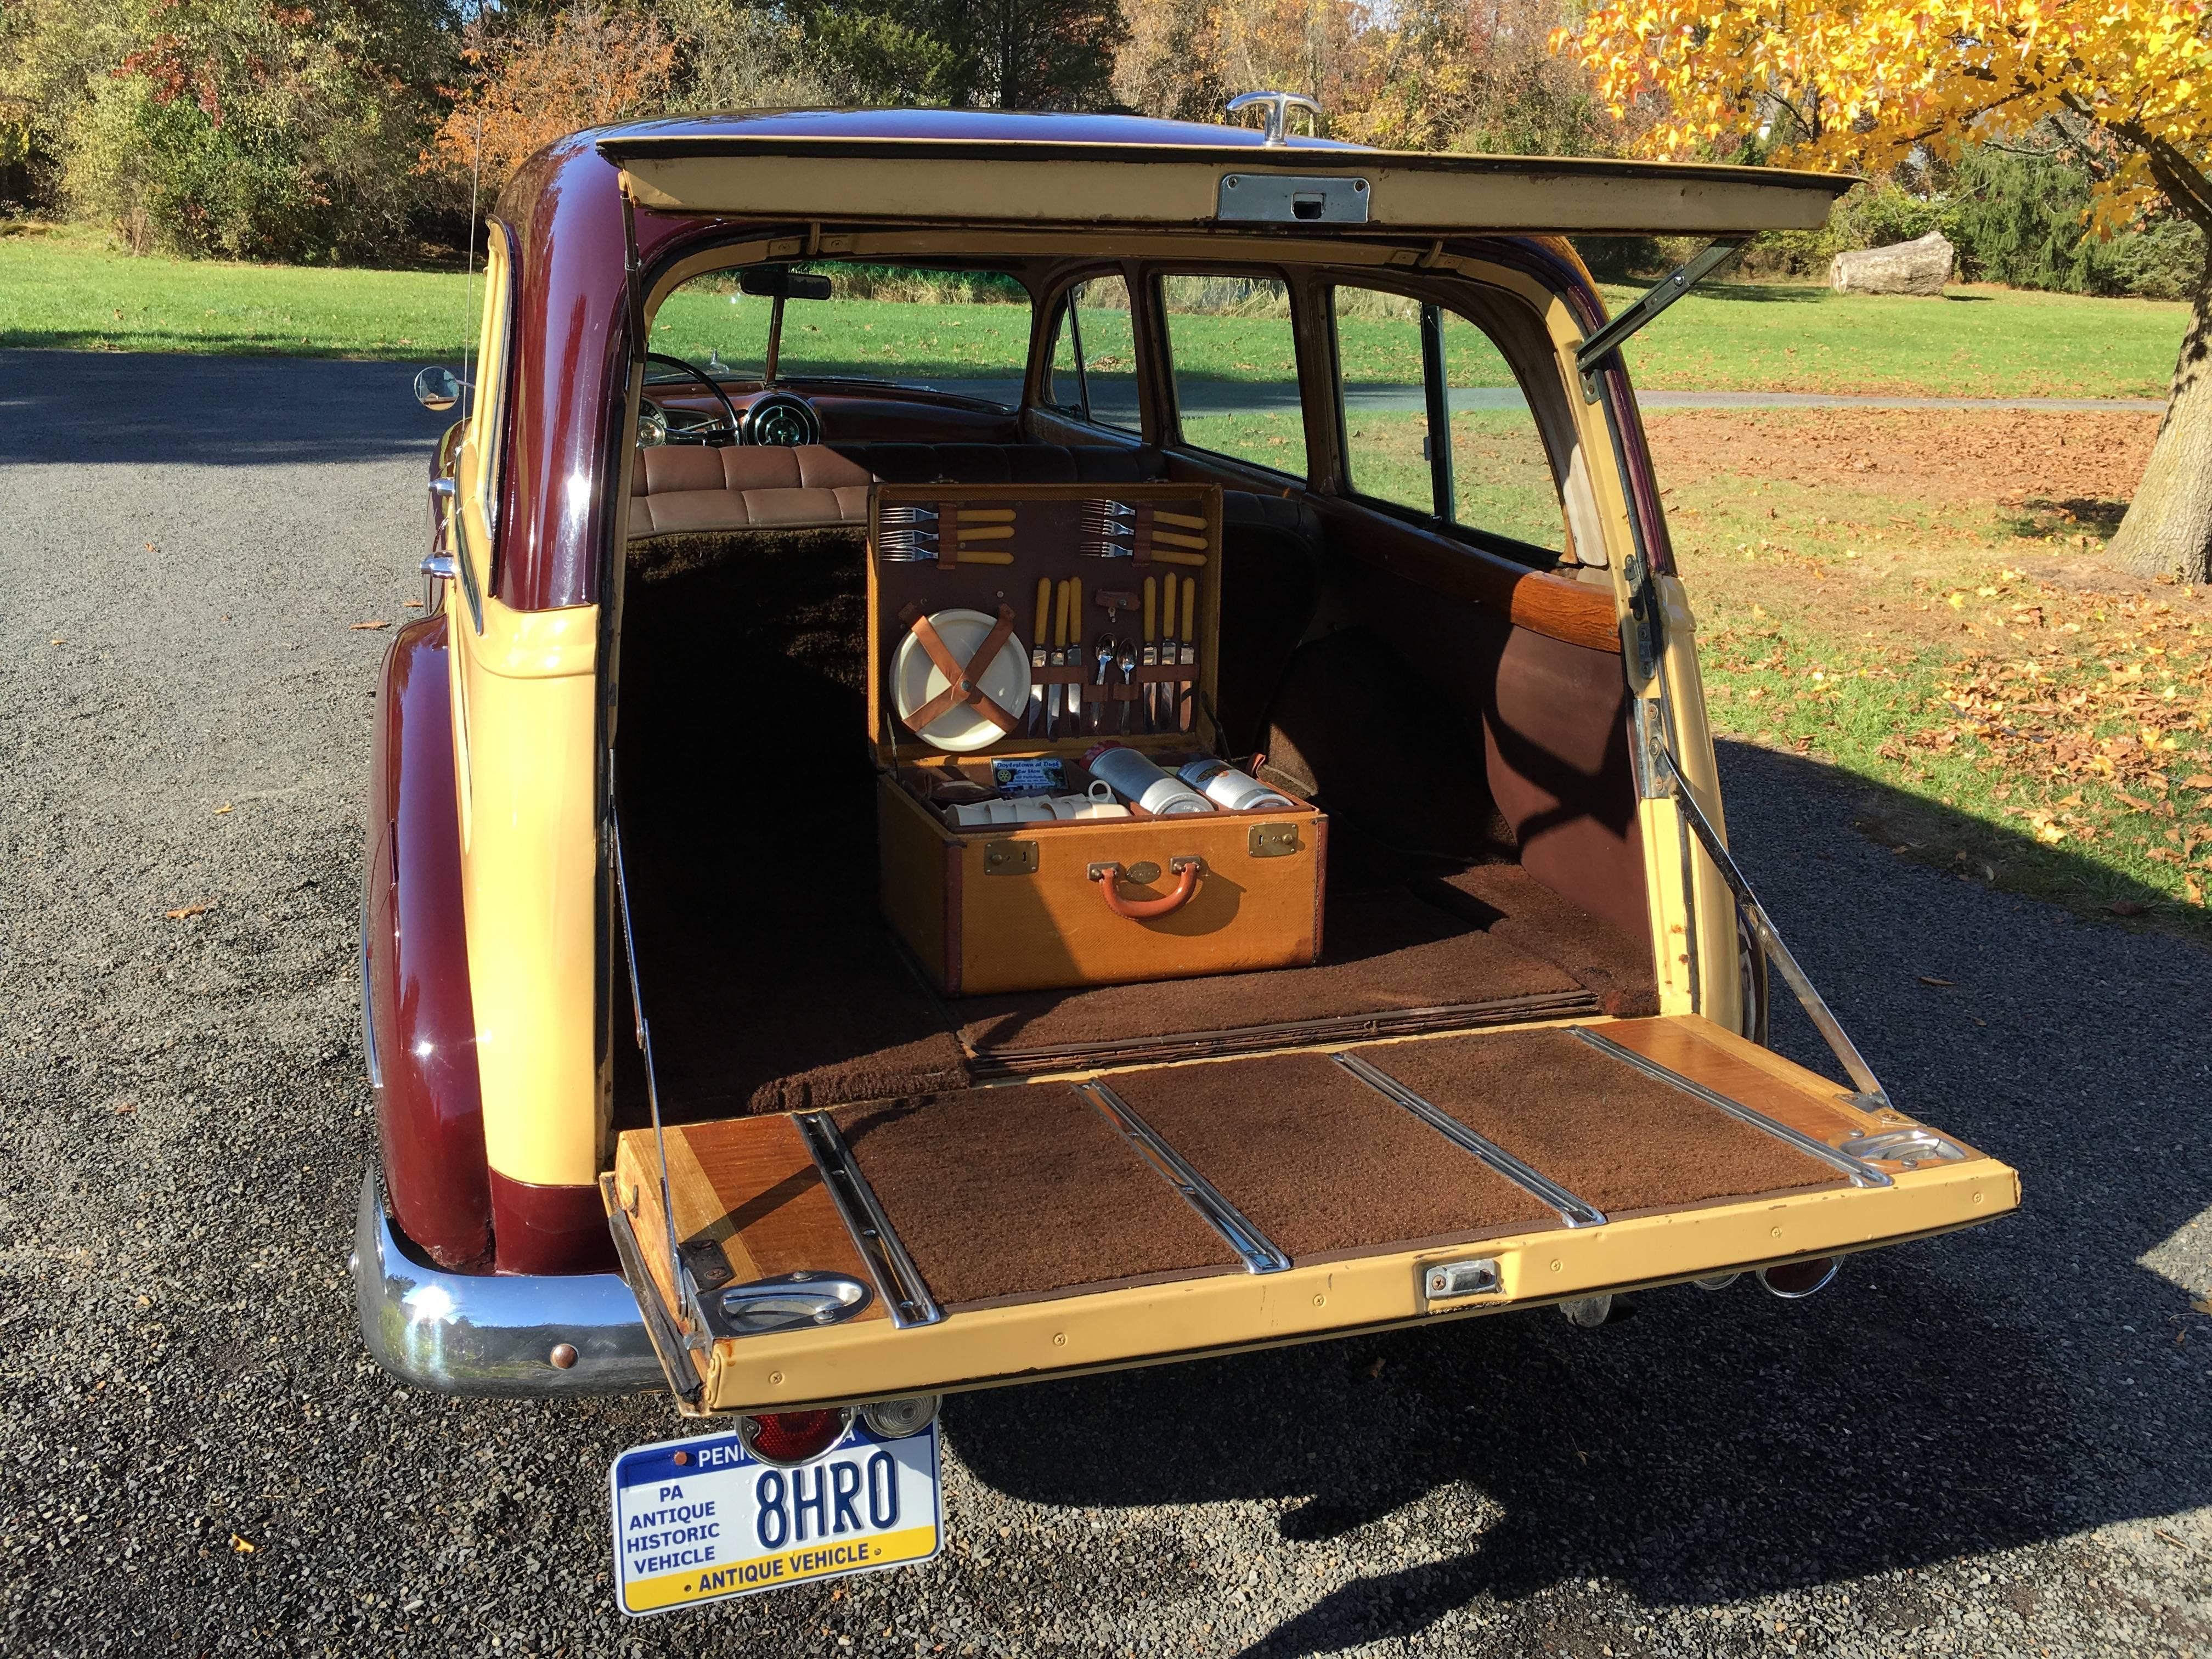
[750, 1185]
[1554, 606]
[1789, 1094]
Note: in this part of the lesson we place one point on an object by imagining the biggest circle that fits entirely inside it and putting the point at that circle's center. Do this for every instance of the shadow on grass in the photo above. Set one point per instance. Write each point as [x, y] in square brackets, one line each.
[1938, 1402]
[2039, 517]
[1973, 849]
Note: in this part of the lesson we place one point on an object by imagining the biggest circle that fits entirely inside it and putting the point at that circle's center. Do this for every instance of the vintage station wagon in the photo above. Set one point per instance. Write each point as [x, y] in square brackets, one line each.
[1045, 743]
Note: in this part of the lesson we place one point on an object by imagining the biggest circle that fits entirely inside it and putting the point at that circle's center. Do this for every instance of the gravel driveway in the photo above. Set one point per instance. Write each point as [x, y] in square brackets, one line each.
[1996, 1443]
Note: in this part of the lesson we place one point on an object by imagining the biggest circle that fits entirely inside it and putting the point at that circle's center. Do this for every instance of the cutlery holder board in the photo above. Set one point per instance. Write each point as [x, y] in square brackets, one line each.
[1092, 902]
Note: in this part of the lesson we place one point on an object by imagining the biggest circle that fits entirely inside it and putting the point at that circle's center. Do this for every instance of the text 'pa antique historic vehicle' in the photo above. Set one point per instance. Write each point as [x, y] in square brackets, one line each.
[1045, 743]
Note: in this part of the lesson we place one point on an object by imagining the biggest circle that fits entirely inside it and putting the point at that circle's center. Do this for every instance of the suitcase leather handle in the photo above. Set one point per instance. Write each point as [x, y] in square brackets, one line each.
[1189, 870]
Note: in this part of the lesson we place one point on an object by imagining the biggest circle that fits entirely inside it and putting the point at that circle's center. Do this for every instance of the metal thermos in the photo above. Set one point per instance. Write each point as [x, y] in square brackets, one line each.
[1230, 789]
[1135, 778]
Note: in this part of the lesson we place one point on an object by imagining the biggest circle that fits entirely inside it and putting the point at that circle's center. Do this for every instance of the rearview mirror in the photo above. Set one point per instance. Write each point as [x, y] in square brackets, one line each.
[437, 389]
[782, 282]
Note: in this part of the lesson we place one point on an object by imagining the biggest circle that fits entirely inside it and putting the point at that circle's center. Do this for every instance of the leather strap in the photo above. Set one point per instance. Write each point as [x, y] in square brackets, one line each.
[961, 683]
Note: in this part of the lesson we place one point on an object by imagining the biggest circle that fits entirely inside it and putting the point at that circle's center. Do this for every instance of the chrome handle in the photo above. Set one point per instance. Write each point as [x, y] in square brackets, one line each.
[1279, 106]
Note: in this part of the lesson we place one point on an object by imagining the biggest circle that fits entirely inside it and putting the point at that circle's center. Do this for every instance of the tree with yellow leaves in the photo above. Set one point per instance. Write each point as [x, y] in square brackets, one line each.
[1853, 83]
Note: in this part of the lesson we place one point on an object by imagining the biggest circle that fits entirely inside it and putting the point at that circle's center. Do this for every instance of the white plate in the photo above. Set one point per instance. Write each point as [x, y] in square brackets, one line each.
[915, 680]
[702, 1520]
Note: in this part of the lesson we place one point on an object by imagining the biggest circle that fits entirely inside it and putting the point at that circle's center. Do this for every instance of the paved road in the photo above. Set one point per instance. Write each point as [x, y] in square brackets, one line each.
[1114, 397]
[1993, 1443]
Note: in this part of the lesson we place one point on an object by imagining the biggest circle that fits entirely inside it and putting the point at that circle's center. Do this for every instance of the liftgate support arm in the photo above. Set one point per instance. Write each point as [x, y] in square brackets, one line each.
[1649, 304]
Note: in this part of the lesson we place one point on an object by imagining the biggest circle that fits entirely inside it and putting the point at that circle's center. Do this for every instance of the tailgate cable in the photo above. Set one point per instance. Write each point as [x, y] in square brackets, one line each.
[1870, 1096]
[698, 1331]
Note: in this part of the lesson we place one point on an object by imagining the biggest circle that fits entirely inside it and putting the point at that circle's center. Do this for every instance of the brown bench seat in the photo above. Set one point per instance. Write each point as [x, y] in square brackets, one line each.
[676, 488]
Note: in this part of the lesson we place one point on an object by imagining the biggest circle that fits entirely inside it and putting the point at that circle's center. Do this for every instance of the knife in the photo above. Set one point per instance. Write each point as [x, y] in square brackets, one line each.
[1166, 710]
[1152, 656]
[1187, 688]
[1055, 696]
[1038, 654]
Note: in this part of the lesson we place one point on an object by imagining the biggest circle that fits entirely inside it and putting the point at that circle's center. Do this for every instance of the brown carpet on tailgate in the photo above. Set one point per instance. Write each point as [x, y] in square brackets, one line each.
[1601, 1129]
[1000, 1193]
[1318, 1161]
[1384, 953]
[1512, 905]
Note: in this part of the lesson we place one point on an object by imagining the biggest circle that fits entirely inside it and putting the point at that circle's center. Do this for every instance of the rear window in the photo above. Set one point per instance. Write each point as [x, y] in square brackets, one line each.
[1235, 359]
[966, 333]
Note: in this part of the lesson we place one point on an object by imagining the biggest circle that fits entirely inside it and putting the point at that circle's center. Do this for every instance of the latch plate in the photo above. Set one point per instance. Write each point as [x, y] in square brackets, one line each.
[1010, 858]
[1452, 1281]
[1274, 198]
[1273, 841]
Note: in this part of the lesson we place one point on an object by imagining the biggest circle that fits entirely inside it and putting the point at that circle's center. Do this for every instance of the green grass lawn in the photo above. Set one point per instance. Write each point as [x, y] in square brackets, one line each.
[64, 288]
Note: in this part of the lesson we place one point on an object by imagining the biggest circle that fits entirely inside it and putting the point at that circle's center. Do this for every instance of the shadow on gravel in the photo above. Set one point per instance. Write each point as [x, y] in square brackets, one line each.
[141, 409]
[1946, 1397]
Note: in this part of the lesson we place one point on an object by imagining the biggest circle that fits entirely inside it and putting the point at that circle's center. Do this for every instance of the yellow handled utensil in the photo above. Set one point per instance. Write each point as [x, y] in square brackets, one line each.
[999, 533]
[1169, 555]
[1043, 611]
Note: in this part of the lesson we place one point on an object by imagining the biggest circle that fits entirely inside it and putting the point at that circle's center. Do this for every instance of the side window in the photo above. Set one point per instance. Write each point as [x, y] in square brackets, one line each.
[1093, 360]
[1233, 352]
[1381, 381]
[1501, 478]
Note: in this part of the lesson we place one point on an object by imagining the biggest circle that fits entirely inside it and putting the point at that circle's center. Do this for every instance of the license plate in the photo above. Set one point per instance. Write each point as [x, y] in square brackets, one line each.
[702, 1520]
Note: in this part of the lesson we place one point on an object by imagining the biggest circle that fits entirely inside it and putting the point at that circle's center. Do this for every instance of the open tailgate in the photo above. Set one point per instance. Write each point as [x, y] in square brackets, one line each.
[1119, 1217]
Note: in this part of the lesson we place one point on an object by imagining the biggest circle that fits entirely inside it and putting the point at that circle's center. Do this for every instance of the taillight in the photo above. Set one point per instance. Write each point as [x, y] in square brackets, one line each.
[786, 1437]
[894, 1420]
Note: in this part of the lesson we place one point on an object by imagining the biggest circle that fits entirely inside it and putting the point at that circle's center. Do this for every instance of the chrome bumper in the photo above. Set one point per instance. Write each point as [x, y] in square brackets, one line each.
[492, 1333]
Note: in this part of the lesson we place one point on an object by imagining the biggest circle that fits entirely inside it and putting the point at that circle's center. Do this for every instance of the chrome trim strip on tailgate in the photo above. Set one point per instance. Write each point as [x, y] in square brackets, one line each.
[1575, 1212]
[1861, 1173]
[1259, 1252]
[904, 1293]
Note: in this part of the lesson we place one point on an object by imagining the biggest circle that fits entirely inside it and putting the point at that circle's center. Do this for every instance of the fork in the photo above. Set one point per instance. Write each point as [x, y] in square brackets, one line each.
[1123, 550]
[900, 550]
[1114, 512]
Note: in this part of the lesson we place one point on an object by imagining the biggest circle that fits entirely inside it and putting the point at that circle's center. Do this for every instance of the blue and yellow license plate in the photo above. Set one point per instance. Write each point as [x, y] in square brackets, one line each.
[701, 1520]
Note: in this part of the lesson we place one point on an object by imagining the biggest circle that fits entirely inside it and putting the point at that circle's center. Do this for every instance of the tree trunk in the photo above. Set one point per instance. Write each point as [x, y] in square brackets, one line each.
[2168, 528]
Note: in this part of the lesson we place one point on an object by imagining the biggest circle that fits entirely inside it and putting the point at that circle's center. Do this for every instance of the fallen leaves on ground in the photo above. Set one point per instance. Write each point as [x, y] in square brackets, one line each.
[1933, 455]
[182, 911]
[2080, 720]
[376, 623]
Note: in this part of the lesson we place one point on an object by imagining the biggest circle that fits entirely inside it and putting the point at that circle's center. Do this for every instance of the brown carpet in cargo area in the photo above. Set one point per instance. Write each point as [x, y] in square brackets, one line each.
[1512, 905]
[1000, 1193]
[1601, 1129]
[1384, 953]
[1318, 1161]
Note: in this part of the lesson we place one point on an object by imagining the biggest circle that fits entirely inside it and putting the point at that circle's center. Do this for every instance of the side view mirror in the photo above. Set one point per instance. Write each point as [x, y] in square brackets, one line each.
[438, 388]
[782, 282]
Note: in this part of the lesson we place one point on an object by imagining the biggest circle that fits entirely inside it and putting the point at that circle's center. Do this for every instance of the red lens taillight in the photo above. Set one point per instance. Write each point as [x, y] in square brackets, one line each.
[794, 1437]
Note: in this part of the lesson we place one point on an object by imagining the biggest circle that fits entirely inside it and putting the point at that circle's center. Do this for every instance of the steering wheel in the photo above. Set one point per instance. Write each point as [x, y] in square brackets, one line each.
[718, 435]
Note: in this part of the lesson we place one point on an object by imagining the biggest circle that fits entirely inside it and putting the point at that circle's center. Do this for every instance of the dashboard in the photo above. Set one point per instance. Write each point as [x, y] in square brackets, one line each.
[789, 417]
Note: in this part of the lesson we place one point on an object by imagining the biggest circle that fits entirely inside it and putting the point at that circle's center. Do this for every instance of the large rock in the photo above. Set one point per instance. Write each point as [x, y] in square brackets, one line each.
[1920, 266]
